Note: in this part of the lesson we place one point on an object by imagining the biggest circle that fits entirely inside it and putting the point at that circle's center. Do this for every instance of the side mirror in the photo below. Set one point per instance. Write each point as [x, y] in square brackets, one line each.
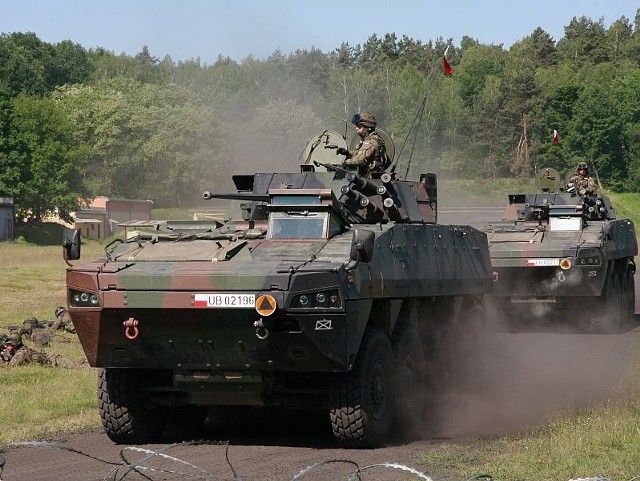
[71, 244]
[362, 245]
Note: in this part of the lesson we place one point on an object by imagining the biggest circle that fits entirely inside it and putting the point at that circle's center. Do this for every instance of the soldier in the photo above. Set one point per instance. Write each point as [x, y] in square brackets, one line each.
[370, 154]
[35, 331]
[13, 352]
[29, 324]
[63, 320]
[7, 348]
[583, 184]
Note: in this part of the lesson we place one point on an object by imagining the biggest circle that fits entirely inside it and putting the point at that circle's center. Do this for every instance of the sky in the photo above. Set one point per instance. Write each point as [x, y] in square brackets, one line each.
[206, 29]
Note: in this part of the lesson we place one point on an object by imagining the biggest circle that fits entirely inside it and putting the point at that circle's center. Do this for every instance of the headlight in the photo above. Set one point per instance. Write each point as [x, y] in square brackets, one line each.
[329, 299]
[83, 299]
[588, 257]
[589, 261]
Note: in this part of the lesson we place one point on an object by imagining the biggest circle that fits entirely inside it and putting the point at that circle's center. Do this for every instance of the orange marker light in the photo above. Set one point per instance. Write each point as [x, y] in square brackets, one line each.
[266, 305]
[565, 264]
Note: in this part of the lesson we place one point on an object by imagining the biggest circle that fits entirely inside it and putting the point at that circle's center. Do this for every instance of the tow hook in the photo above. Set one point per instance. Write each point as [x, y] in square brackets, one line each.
[261, 331]
[131, 328]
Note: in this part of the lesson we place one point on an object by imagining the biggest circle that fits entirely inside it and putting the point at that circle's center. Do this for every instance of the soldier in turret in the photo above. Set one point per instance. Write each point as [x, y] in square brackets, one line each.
[582, 182]
[370, 154]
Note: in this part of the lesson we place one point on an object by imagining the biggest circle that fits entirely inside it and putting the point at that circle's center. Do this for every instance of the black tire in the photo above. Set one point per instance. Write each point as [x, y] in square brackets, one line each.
[126, 416]
[611, 318]
[629, 297]
[363, 400]
[410, 375]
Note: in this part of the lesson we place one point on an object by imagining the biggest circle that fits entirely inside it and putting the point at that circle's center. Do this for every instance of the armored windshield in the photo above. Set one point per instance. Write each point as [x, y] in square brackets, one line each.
[299, 225]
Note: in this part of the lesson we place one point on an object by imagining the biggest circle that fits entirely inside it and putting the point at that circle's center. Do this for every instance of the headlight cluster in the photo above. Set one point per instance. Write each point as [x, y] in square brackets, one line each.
[588, 261]
[317, 300]
[83, 299]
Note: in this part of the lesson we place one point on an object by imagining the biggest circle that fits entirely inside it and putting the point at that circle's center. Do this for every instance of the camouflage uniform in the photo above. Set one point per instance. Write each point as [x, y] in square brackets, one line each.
[63, 320]
[584, 184]
[22, 356]
[36, 331]
[13, 352]
[370, 154]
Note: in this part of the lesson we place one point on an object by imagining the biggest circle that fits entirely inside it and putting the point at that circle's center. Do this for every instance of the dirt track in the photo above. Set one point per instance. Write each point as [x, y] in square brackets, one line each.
[270, 452]
[523, 378]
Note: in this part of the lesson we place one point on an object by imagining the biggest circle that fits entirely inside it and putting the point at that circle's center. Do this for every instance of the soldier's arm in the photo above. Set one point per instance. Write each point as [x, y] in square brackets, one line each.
[365, 154]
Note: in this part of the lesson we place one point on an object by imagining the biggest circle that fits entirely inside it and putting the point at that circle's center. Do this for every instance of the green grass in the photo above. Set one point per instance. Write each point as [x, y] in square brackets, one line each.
[601, 439]
[627, 206]
[47, 234]
[38, 401]
[33, 280]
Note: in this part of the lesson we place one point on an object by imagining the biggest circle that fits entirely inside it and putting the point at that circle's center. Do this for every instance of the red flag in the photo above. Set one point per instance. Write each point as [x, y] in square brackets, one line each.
[556, 137]
[448, 70]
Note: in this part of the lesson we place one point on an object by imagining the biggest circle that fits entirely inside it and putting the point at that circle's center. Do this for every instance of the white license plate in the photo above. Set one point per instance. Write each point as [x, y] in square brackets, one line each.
[226, 300]
[543, 262]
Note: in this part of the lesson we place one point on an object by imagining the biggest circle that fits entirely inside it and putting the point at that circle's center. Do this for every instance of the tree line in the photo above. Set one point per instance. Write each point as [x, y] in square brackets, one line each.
[77, 123]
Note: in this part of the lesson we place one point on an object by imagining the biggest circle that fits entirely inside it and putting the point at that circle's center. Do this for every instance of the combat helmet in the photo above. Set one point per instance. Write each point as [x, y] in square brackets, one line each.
[14, 339]
[582, 166]
[30, 323]
[59, 310]
[365, 118]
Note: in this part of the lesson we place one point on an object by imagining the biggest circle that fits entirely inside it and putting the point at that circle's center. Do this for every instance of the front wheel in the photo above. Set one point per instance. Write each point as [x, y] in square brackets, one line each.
[612, 311]
[362, 400]
[126, 415]
[629, 287]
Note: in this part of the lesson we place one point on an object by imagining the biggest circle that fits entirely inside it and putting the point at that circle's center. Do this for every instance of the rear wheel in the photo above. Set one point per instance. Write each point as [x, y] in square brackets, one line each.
[363, 400]
[126, 415]
[410, 374]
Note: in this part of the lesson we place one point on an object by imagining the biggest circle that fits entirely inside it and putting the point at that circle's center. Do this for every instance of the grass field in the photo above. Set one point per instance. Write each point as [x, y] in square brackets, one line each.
[40, 401]
[600, 438]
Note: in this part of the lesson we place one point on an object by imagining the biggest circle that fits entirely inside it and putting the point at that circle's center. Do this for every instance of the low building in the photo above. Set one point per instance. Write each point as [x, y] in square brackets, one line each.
[101, 217]
[7, 219]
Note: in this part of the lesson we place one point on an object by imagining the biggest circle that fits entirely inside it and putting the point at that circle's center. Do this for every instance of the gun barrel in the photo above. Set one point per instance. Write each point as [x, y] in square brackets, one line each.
[237, 196]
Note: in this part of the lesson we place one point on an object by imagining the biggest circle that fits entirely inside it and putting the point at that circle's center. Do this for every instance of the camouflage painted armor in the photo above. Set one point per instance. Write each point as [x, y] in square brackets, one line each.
[317, 292]
[554, 252]
[370, 154]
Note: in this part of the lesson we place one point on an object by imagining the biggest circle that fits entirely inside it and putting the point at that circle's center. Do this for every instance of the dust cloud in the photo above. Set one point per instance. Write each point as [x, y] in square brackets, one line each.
[513, 382]
[516, 382]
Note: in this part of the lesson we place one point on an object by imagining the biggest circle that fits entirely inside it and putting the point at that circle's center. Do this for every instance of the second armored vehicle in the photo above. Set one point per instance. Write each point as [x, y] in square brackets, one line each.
[565, 258]
[322, 289]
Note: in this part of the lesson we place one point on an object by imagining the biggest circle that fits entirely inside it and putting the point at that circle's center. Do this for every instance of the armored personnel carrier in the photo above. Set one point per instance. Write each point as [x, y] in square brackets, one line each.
[562, 260]
[321, 289]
